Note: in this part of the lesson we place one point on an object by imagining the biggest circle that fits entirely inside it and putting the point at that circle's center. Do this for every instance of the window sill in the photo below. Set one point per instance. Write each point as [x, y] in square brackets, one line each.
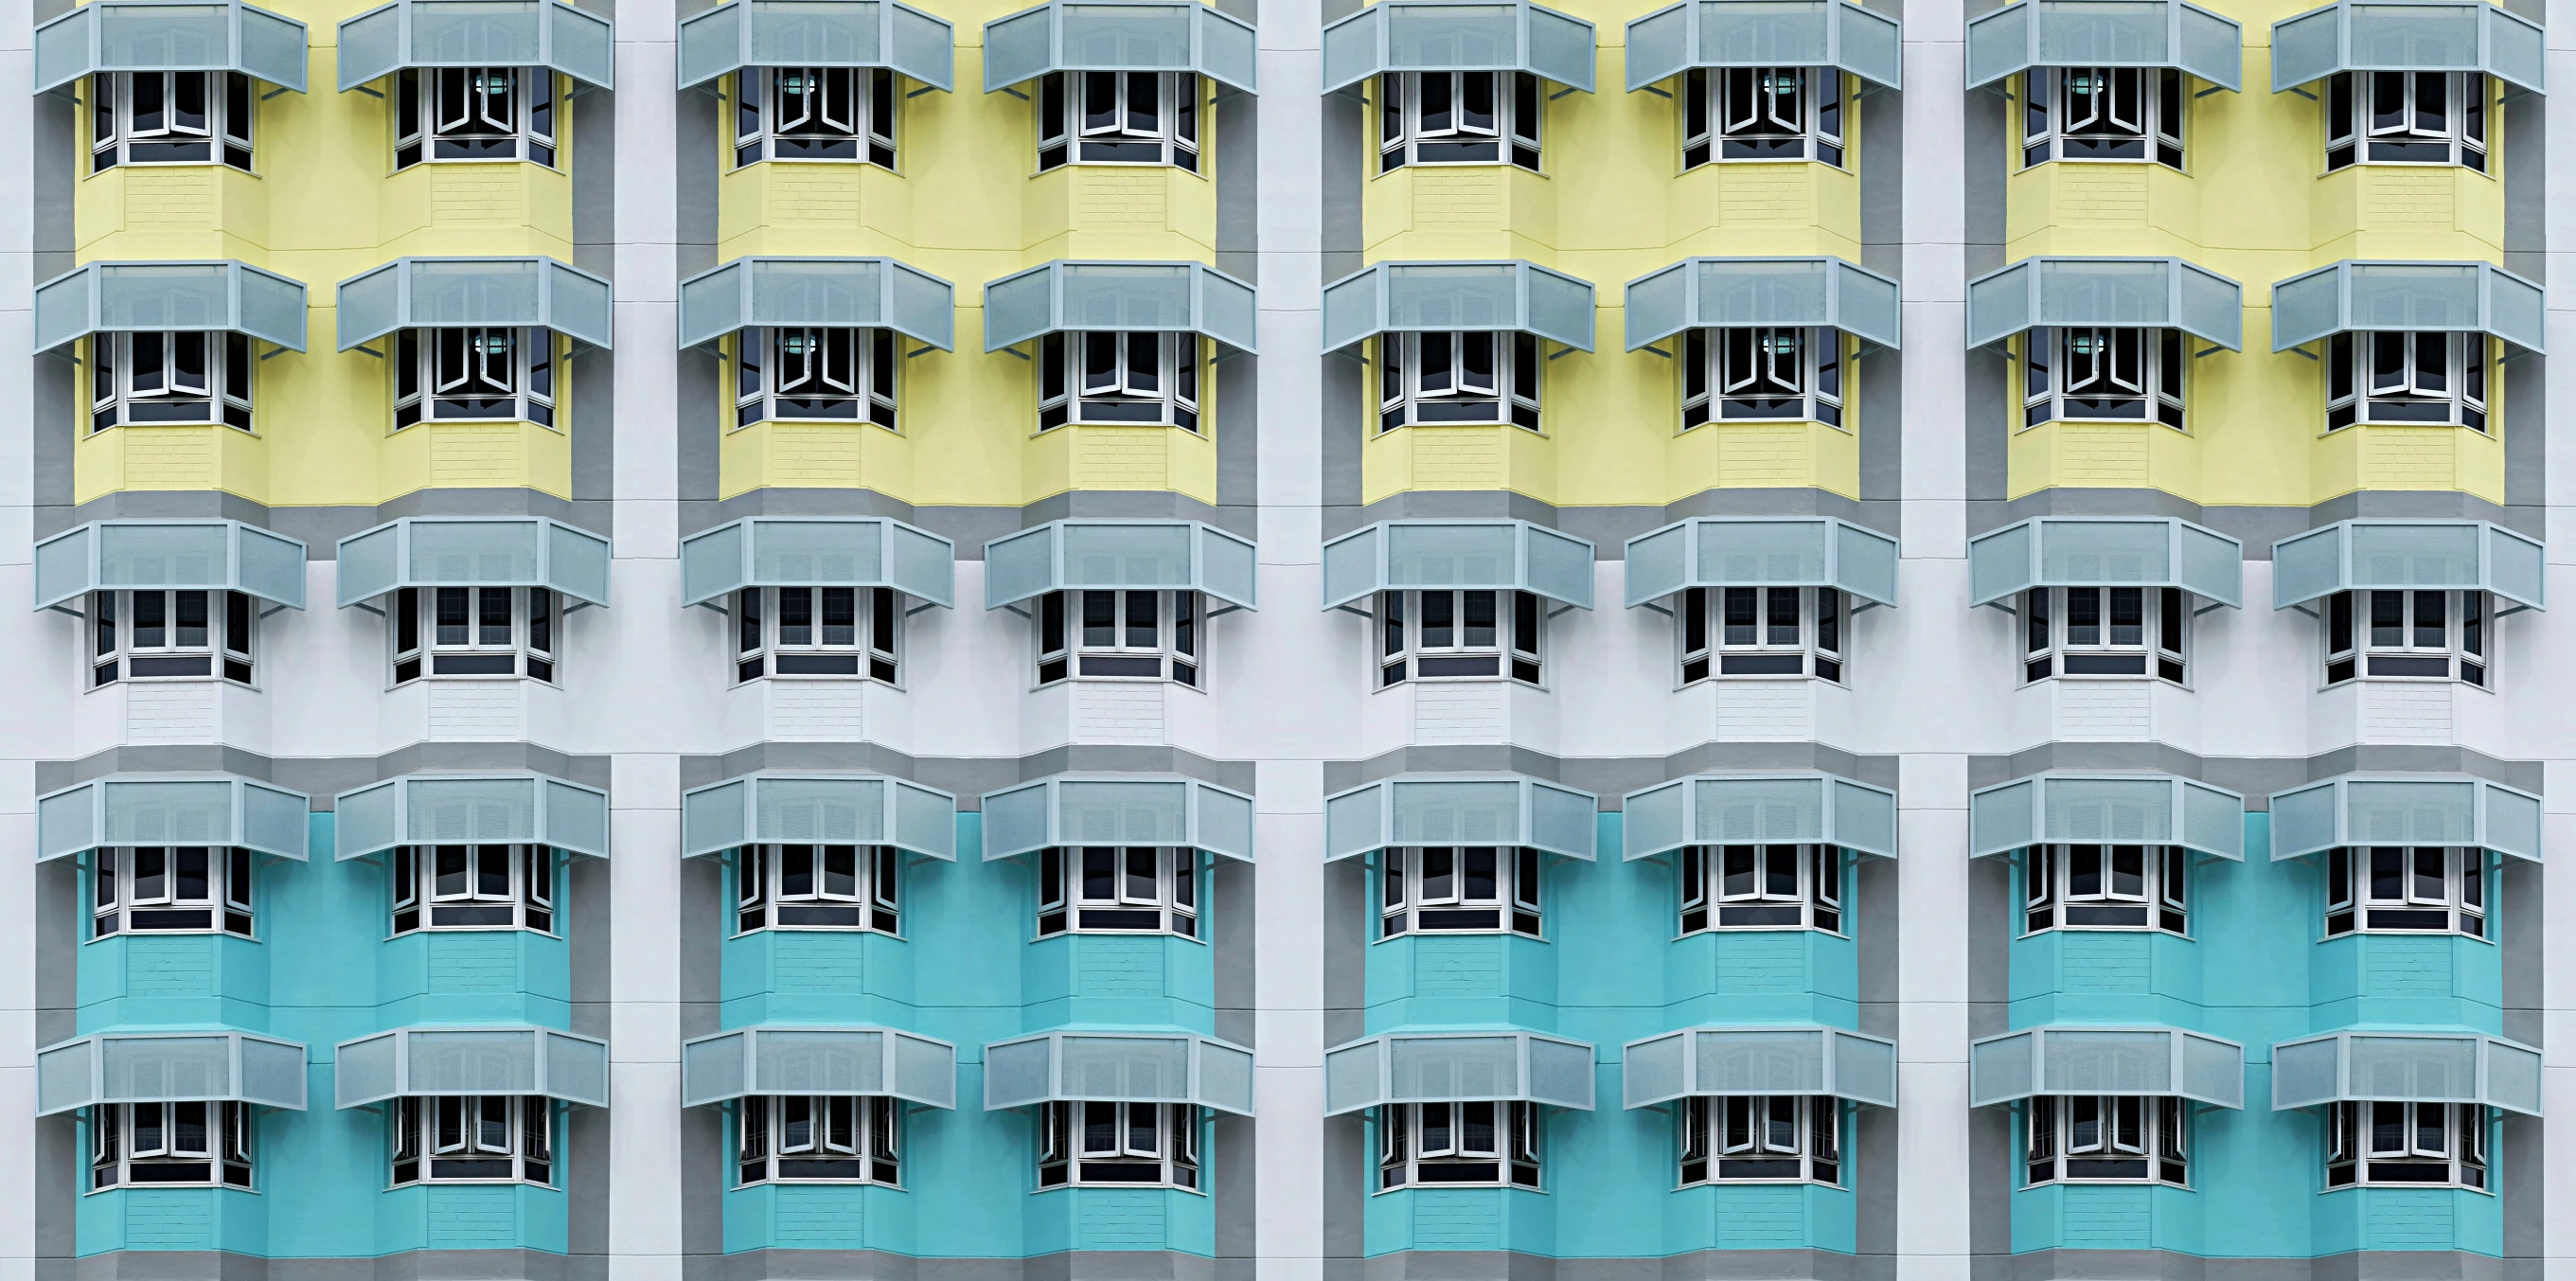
[170, 680]
[1123, 680]
[1539, 432]
[2101, 422]
[2106, 929]
[235, 1187]
[479, 422]
[1469, 1187]
[1758, 1183]
[784, 422]
[1085, 422]
[1761, 929]
[1130, 1187]
[1130, 934]
[2359, 681]
[1416, 934]
[205, 933]
[2366, 933]
[1688, 429]
[2370, 1187]
[196, 426]
[1457, 164]
[1460, 680]
[2105, 1183]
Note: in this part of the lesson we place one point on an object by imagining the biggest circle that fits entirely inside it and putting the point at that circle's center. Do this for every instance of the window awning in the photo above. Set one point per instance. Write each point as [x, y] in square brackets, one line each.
[2150, 809]
[2149, 293]
[858, 293]
[1458, 1067]
[426, 809]
[1707, 809]
[1179, 555]
[1458, 35]
[2105, 33]
[1762, 551]
[1720, 1062]
[1765, 33]
[817, 33]
[2406, 1067]
[2462, 555]
[451, 293]
[147, 810]
[1736, 293]
[2373, 297]
[2357, 810]
[1412, 297]
[121, 297]
[498, 551]
[1119, 35]
[2105, 551]
[2163, 1061]
[1444, 810]
[411, 1062]
[1118, 1067]
[477, 33]
[170, 1067]
[1064, 297]
[759, 809]
[1401, 555]
[2419, 35]
[1117, 811]
[132, 555]
[817, 551]
[782, 1059]
[170, 35]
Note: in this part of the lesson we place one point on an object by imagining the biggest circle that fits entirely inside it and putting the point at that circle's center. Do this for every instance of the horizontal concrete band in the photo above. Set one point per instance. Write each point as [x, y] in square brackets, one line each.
[538, 1265]
[2173, 1265]
[1827, 1265]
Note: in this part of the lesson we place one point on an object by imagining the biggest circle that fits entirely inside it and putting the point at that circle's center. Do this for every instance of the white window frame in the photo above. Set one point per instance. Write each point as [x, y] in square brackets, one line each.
[2061, 883]
[123, 393]
[1740, 1139]
[1795, 632]
[1105, 889]
[2105, 373]
[769, 643]
[123, 132]
[1415, 129]
[1762, 115]
[1431, 379]
[137, 889]
[533, 648]
[815, 373]
[2411, 889]
[1164, 130]
[2359, 644]
[2436, 377]
[454, 887]
[1774, 886]
[2390, 1144]
[1428, 1145]
[1433, 889]
[476, 115]
[843, 114]
[2086, 1138]
[1144, 378]
[138, 1145]
[1070, 648]
[2454, 132]
[458, 1131]
[1410, 643]
[477, 374]
[2117, 114]
[1148, 1145]
[120, 648]
[818, 887]
[1764, 373]
[2081, 633]
[818, 1138]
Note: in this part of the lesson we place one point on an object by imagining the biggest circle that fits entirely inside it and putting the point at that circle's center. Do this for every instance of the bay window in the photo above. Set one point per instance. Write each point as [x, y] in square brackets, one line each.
[2102, 113]
[170, 376]
[1762, 374]
[2104, 373]
[474, 113]
[814, 373]
[2409, 635]
[814, 113]
[199, 1144]
[1458, 118]
[1145, 377]
[1460, 376]
[1762, 113]
[164, 889]
[2105, 631]
[169, 118]
[2423, 377]
[473, 887]
[473, 1138]
[2406, 117]
[473, 631]
[169, 635]
[1779, 1138]
[2406, 1144]
[816, 1138]
[1093, 1143]
[1460, 889]
[1761, 887]
[1444, 634]
[2411, 889]
[2107, 887]
[818, 887]
[2121, 1138]
[475, 373]
[1119, 118]
[1134, 635]
[1118, 889]
[816, 631]
[1492, 1144]
[1762, 631]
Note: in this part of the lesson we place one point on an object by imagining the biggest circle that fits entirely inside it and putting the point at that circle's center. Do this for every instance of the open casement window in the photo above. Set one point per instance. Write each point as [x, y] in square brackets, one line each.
[1458, 118]
[473, 887]
[2105, 631]
[2102, 113]
[1762, 631]
[2424, 377]
[474, 631]
[1118, 889]
[1469, 376]
[2407, 889]
[814, 113]
[2409, 635]
[1780, 1138]
[2107, 887]
[169, 118]
[474, 113]
[1761, 113]
[2102, 373]
[1491, 1144]
[814, 373]
[1118, 1144]
[1460, 889]
[2407, 1145]
[172, 889]
[170, 376]
[475, 373]
[196, 1144]
[1763, 374]
[2091, 1138]
[473, 1138]
[1145, 377]
[1094, 633]
[817, 1138]
[817, 631]
[1761, 887]
[1470, 635]
[1119, 118]
[170, 635]
[818, 887]
[2407, 117]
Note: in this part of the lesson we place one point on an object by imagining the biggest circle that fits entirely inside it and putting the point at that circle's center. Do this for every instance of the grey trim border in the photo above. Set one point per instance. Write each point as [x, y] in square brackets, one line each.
[408, 1265]
[2170, 1265]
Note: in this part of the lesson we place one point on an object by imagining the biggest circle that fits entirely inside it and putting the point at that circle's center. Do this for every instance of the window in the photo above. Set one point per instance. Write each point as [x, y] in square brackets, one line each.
[474, 113]
[1093, 1143]
[1136, 635]
[814, 373]
[2434, 377]
[473, 887]
[474, 631]
[171, 376]
[1762, 374]
[161, 1144]
[169, 118]
[1469, 376]
[2413, 889]
[817, 1137]
[476, 373]
[2406, 1143]
[1431, 1144]
[1762, 631]
[474, 1138]
[2096, 372]
[2104, 631]
[1762, 113]
[1120, 118]
[2102, 113]
[1446, 889]
[1457, 118]
[157, 889]
[813, 113]
[816, 631]
[1761, 887]
[1776, 1138]
[2406, 117]
[2113, 1137]
[2107, 887]
[2419, 635]
[1148, 377]
[169, 635]
[1118, 889]
[1435, 635]
[818, 887]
